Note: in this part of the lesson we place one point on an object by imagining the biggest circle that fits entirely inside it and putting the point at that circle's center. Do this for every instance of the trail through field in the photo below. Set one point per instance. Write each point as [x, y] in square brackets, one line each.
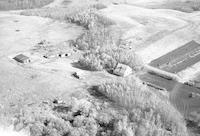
[172, 40]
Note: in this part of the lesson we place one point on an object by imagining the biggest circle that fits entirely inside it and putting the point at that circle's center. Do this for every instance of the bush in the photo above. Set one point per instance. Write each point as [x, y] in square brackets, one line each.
[148, 114]
[91, 61]
[82, 119]
[101, 39]
[126, 57]
[137, 112]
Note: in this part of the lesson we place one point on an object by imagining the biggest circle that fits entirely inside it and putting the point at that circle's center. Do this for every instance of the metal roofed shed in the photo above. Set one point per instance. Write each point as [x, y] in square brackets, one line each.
[122, 70]
[179, 59]
[22, 58]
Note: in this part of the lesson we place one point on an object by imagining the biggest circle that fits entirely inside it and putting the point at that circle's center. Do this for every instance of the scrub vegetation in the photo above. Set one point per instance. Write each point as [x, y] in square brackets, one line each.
[101, 41]
[22, 4]
[148, 113]
[115, 108]
[126, 108]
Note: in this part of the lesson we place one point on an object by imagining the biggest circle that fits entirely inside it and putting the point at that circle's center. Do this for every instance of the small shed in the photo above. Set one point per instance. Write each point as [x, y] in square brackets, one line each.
[22, 58]
[122, 70]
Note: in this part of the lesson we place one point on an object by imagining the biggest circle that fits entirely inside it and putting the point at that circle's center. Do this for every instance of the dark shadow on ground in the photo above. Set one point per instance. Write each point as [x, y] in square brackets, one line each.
[77, 65]
[193, 127]
[66, 2]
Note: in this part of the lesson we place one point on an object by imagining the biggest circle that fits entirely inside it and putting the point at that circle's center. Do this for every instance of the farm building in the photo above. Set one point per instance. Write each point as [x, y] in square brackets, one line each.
[173, 72]
[122, 70]
[180, 64]
[179, 59]
[22, 58]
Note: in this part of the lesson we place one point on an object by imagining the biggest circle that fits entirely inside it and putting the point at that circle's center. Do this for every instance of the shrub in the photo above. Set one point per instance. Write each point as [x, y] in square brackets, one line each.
[139, 113]
[91, 61]
[126, 57]
[148, 114]
[101, 39]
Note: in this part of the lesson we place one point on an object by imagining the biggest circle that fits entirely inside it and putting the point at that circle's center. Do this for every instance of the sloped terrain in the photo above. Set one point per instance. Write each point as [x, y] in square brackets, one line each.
[38, 88]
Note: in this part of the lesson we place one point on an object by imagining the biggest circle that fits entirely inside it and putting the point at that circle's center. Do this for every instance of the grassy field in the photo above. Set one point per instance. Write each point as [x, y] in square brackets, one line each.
[101, 40]
[22, 4]
[146, 112]
[181, 5]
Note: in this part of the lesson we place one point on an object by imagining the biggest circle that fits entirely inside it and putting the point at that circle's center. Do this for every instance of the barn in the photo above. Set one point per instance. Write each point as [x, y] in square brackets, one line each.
[179, 59]
[22, 58]
[122, 70]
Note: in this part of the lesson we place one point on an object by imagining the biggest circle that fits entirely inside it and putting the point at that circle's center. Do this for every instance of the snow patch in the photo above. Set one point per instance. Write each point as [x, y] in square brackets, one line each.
[10, 132]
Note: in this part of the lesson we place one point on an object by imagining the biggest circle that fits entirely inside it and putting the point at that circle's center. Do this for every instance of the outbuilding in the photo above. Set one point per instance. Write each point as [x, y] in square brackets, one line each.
[22, 58]
[122, 70]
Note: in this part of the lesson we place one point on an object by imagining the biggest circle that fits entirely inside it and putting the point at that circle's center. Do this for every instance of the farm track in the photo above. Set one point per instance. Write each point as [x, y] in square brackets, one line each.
[191, 26]
[160, 35]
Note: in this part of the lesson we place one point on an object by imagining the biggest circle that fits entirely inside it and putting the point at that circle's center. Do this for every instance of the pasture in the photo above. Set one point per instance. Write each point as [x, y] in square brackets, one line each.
[22, 4]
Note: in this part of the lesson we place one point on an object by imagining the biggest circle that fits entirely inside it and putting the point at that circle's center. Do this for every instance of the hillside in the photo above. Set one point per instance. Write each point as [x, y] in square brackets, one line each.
[68, 87]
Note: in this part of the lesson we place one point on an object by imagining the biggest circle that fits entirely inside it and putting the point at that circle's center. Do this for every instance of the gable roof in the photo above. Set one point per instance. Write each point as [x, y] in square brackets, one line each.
[121, 69]
[179, 59]
[21, 58]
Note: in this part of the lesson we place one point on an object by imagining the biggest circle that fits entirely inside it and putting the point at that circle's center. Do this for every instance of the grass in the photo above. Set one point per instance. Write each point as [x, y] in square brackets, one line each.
[138, 111]
[101, 40]
[188, 6]
[126, 107]
[146, 113]
[22, 4]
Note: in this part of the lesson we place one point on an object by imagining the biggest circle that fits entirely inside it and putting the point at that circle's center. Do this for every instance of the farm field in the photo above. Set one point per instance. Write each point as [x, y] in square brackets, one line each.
[22, 4]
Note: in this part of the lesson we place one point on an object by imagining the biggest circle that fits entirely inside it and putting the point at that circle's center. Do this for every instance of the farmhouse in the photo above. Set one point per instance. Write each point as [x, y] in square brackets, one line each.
[122, 70]
[22, 58]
